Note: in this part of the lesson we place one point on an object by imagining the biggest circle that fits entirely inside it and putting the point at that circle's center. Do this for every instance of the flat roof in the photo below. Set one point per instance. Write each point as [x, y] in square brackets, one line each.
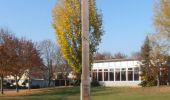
[114, 60]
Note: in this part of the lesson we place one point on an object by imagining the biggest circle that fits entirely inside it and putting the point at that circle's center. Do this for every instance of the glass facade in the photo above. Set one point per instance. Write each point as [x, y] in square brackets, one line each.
[94, 76]
[116, 74]
[105, 74]
[100, 75]
[130, 74]
[111, 75]
[123, 74]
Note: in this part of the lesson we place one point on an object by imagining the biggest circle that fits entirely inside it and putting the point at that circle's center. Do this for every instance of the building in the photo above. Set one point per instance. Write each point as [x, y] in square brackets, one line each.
[117, 72]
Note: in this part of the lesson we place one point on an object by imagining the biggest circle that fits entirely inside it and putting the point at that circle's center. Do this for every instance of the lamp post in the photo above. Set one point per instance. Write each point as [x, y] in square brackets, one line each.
[85, 77]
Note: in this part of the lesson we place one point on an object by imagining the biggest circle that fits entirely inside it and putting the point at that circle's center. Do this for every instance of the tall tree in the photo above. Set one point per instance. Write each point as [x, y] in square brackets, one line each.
[162, 25]
[162, 17]
[67, 24]
[148, 73]
[49, 54]
[16, 51]
[32, 59]
[16, 56]
[5, 62]
[162, 20]
[63, 69]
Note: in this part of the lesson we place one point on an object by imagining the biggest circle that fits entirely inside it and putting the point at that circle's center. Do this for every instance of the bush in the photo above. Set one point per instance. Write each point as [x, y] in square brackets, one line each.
[148, 83]
[75, 82]
[95, 83]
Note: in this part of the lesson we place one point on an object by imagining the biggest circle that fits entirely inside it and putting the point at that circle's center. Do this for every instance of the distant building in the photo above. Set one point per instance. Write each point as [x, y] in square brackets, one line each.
[117, 72]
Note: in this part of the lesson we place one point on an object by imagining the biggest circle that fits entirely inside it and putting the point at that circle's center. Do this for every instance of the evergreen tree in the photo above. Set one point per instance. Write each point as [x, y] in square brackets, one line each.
[148, 72]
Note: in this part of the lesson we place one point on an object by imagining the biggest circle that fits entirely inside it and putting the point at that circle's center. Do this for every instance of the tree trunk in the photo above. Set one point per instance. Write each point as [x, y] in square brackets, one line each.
[2, 81]
[158, 81]
[168, 81]
[29, 84]
[49, 81]
[17, 89]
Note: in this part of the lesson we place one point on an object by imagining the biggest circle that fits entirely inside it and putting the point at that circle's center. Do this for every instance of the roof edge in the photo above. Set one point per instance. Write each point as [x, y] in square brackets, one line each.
[115, 60]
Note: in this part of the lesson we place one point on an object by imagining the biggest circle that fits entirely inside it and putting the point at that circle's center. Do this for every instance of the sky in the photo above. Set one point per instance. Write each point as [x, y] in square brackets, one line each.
[125, 22]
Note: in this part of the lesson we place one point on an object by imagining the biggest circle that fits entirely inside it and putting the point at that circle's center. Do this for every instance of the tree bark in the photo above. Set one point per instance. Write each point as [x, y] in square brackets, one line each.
[2, 81]
[158, 81]
[49, 81]
[29, 84]
[168, 81]
[17, 89]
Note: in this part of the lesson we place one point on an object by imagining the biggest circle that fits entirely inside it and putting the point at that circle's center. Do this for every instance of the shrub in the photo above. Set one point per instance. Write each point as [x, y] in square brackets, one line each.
[95, 83]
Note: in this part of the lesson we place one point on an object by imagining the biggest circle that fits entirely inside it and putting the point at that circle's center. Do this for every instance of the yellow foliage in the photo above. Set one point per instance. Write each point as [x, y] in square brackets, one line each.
[67, 24]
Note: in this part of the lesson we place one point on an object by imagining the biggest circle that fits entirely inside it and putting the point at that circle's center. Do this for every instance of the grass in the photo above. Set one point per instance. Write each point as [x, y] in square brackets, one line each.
[98, 93]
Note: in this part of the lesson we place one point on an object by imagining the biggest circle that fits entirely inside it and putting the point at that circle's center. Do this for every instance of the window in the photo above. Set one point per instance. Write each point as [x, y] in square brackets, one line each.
[105, 69]
[123, 74]
[130, 69]
[111, 74]
[105, 76]
[94, 76]
[130, 74]
[117, 74]
[100, 75]
[136, 74]
[94, 70]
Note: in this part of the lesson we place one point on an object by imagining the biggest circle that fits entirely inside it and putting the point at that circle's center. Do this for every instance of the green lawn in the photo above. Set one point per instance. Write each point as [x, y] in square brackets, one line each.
[99, 93]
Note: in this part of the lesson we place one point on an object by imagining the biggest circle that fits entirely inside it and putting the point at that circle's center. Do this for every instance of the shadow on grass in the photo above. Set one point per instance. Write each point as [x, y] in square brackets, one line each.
[98, 91]
[58, 93]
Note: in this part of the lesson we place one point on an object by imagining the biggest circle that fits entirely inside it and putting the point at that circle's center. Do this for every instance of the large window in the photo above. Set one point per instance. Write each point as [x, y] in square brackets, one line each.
[123, 74]
[105, 74]
[94, 75]
[111, 74]
[130, 74]
[136, 74]
[117, 74]
[100, 78]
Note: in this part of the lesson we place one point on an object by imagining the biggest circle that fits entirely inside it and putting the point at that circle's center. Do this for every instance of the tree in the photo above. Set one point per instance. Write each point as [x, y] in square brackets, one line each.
[2, 54]
[16, 51]
[148, 72]
[162, 21]
[159, 56]
[162, 18]
[32, 59]
[49, 54]
[67, 24]
[5, 67]
[10, 52]
[162, 25]
[136, 55]
[16, 56]
[63, 69]
[119, 55]
[103, 56]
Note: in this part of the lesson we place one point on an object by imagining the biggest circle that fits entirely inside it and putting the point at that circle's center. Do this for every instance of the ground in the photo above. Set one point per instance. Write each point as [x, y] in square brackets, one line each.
[98, 93]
